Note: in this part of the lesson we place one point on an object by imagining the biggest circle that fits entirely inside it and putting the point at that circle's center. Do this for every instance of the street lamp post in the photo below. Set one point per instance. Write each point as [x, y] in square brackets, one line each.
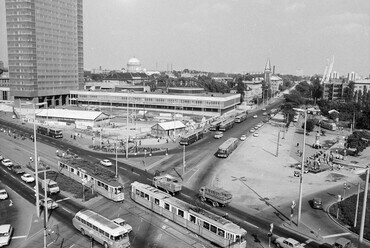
[116, 160]
[36, 160]
[302, 165]
[361, 236]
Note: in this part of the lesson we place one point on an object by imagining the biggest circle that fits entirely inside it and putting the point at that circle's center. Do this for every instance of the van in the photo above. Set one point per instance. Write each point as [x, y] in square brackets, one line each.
[343, 243]
[52, 186]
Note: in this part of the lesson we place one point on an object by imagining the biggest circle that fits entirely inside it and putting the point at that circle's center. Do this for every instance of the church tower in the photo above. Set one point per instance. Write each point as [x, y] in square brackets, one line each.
[267, 73]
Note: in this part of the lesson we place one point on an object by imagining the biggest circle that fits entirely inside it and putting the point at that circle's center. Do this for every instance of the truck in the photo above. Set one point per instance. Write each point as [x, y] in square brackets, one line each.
[287, 243]
[168, 183]
[52, 186]
[217, 196]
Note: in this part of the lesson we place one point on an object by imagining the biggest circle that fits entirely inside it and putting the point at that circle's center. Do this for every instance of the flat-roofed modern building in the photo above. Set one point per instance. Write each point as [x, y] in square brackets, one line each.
[206, 103]
[45, 49]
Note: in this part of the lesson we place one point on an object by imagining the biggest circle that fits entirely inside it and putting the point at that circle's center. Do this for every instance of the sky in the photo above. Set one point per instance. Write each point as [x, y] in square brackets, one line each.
[225, 35]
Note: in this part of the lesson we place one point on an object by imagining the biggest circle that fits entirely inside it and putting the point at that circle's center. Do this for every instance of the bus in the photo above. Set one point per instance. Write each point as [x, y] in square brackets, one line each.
[51, 132]
[241, 117]
[99, 179]
[210, 226]
[191, 137]
[226, 125]
[227, 147]
[215, 125]
[101, 229]
[328, 125]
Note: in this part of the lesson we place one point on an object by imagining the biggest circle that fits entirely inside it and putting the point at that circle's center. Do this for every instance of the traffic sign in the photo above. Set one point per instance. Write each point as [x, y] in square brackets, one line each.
[271, 227]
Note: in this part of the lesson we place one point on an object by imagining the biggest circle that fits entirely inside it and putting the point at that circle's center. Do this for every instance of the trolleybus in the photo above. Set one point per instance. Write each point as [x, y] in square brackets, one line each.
[52, 132]
[226, 125]
[241, 117]
[208, 225]
[227, 147]
[215, 125]
[191, 137]
[94, 176]
[101, 229]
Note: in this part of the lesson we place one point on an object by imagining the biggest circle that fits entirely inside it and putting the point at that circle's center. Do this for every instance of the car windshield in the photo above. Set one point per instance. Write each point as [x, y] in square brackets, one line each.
[2, 193]
[4, 234]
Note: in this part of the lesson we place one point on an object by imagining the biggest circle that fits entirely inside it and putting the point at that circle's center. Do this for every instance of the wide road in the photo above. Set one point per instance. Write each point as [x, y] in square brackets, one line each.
[202, 151]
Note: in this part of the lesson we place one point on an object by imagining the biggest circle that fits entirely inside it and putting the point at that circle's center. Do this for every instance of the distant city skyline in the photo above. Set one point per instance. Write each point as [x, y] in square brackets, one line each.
[225, 36]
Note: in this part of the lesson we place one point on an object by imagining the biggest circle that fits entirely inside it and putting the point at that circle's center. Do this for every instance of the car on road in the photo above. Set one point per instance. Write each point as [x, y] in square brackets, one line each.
[317, 203]
[252, 130]
[51, 204]
[287, 243]
[255, 116]
[106, 162]
[243, 137]
[122, 222]
[5, 234]
[264, 113]
[3, 194]
[255, 134]
[343, 243]
[218, 135]
[27, 178]
[7, 163]
[264, 109]
[260, 124]
[18, 169]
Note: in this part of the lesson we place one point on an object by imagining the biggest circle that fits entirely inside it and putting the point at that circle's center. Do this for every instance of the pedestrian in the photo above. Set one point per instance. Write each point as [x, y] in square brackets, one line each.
[57, 152]
[31, 159]
[297, 144]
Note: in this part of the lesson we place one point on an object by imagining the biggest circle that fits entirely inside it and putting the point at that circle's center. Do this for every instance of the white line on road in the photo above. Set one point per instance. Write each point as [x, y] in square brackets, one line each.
[67, 210]
[251, 224]
[53, 142]
[19, 237]
[335, 235]
[136, 173]
[67, 198]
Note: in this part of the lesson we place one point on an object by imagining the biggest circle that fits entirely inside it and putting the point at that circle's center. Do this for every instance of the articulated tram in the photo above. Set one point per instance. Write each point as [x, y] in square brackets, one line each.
[205, 224]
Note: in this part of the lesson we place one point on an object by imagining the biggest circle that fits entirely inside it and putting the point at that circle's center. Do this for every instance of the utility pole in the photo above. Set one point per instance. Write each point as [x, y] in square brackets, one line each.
[45, 206]
[183, 163]
[277, 146]
[357, 202]
[361, 236]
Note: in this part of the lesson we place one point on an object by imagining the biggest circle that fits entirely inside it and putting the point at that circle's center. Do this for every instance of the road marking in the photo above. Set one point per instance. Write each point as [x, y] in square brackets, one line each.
[66, 210]
[251, 224]
[136, 173]
[19, 237]
[67, 198]
[335, 235]
[53, 142]
[122, 168]
[149, 179]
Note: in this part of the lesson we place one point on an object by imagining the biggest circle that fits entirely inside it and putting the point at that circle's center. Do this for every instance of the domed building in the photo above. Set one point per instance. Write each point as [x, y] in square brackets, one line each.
[133, 65]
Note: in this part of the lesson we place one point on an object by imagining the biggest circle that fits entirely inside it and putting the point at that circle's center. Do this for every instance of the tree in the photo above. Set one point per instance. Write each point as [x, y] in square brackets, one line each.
[240, 89]
[316, 89]
[310, 125]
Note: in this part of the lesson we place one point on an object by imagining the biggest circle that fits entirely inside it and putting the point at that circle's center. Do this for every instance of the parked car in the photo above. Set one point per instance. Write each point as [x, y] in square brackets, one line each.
[18, 169]
[5, 234]
[7, 163]
[255, 134]
[264, 113]
[122, 222]
[264, 109]
[287, 243]
[255, 116]
[106, 162]
[27, 178]
[243, 137]
[252, 130]
[51, 204]
[317, 203]
[1, 157]
[3, 194]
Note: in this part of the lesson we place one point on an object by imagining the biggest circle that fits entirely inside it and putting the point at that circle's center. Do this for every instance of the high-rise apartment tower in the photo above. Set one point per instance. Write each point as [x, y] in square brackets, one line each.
[45, 49]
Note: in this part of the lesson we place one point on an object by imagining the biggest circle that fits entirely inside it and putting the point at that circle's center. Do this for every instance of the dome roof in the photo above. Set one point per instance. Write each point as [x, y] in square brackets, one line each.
[134, 61]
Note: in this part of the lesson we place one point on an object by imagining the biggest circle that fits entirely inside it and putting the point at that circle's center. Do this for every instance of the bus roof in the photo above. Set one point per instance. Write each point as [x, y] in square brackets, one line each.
[227, 143]
[191, 132]
[102, 222]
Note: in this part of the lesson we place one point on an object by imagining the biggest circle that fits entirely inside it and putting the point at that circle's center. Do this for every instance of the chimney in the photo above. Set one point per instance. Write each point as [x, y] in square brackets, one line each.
[273, 70]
